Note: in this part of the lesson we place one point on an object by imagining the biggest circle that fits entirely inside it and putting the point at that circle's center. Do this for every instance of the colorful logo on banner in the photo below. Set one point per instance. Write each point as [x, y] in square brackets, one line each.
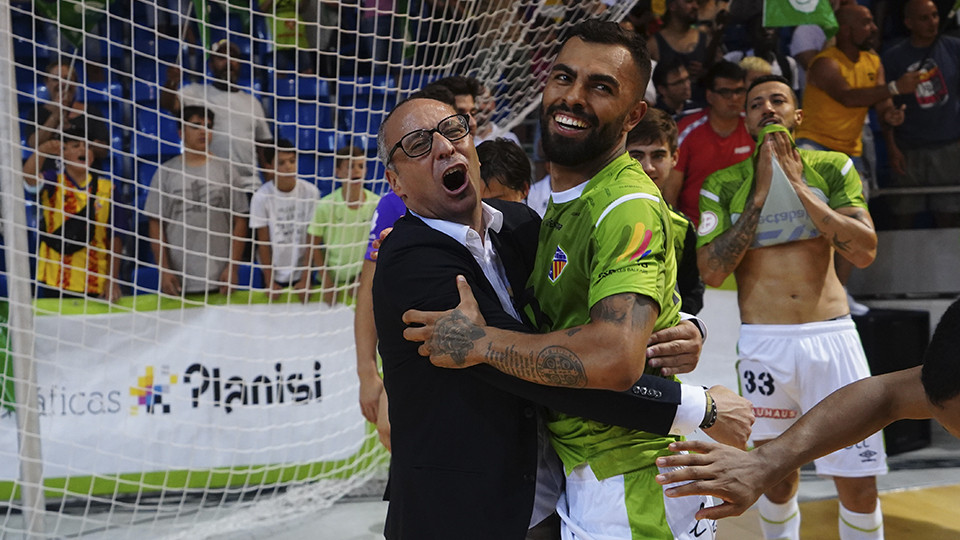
[558, 264]
[149, 391]
[637, 247]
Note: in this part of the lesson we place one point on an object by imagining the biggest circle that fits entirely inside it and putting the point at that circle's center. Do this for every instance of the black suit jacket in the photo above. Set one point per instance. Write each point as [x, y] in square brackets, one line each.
[464, 442]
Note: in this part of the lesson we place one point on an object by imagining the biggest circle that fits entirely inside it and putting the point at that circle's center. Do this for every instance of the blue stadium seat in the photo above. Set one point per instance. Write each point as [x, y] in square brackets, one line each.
[411, 82]
[325, 165]
[146, 279]
[29, 91]
[156, 135]
[309, 114]
[145, 171]
[145, 93]
[108, 96]
[249, 276]
[302, 87]
[365, 101]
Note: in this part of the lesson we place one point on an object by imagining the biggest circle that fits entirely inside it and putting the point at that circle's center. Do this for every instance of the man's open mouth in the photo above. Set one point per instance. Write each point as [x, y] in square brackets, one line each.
[455, 178]
[568, 122]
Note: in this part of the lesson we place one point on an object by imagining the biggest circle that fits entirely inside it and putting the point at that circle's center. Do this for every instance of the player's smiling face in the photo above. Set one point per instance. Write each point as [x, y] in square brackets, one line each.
[445, 182]
[590, 102]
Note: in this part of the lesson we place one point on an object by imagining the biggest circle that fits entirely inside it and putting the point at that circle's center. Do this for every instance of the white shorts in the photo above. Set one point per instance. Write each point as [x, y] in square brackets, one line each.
[784, 370]
[630, 506]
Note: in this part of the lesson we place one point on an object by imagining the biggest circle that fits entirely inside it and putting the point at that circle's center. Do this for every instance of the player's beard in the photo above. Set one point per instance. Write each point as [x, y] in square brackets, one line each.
[572, 152]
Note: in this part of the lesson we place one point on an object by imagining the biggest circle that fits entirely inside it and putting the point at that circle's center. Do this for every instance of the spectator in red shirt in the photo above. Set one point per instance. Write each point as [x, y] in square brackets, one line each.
[710, 140]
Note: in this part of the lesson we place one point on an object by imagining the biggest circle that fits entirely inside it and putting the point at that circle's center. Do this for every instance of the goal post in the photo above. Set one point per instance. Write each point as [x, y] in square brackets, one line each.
[138, 397]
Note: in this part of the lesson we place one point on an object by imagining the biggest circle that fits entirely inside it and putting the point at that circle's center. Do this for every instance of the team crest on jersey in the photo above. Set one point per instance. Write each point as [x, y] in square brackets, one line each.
[637, 247]
[557, 265]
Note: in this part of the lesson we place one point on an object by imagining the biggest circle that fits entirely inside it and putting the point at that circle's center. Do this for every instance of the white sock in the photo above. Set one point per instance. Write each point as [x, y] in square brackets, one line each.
[855, 526]
[779, 521]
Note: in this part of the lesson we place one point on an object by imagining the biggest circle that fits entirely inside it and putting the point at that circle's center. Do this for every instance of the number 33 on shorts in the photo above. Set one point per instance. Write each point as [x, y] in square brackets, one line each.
[754, 378]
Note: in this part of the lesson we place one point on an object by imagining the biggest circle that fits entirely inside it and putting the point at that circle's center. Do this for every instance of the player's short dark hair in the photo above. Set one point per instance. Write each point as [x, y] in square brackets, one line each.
[188, 112]
[461, 85]
[344, 154]
[774, 78]
[941, 361]
[435, 91]
[655, 126]
[270, 151]
[504, 160]
[723, 70]
[611, 33]
[664, 69]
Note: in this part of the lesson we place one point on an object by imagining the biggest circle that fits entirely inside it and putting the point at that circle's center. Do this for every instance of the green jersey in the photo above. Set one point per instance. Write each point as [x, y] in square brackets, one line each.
[608, 236]
[830, 175]
[344, 231]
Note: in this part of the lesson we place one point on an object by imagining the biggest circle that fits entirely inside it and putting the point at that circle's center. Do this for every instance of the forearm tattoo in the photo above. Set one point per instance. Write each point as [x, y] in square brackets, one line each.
[841, 245]
[454, 335]
[844, 245]
[727, 250]
[553, 366]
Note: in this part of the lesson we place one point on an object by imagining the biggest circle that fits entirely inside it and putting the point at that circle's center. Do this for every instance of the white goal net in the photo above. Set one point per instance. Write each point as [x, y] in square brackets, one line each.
[153, 380]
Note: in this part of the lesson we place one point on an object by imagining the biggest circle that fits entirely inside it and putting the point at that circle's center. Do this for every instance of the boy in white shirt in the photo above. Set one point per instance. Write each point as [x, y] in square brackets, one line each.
[280, 212]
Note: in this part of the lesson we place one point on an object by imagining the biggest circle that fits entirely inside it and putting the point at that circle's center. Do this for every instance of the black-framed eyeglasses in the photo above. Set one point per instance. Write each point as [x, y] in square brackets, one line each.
[727, 93]
[420, 142]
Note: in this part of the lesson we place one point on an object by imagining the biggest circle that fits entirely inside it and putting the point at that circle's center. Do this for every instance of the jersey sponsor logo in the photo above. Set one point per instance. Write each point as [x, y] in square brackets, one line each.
[777, 414]
[558, 264]
[631, 268]
[708, 222]
[743, 150]
[552, 224]
[637, 247]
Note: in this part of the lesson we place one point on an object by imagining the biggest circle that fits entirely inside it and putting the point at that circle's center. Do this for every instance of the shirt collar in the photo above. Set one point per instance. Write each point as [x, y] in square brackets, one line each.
[771, 129]
[574, 193]
[492, 219]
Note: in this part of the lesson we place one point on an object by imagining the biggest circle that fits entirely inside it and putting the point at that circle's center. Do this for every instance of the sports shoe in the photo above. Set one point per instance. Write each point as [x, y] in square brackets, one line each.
[856, 308]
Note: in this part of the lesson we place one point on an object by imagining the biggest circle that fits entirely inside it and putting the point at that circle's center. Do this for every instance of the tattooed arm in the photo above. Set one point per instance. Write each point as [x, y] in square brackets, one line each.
[605, 353]
[723, 254]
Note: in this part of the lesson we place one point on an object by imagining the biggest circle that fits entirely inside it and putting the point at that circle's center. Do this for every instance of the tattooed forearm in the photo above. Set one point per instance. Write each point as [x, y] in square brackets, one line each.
[553, 366]
[511, 362]
[559, 366]
[726, 251]
[841, 245]
[454, 335]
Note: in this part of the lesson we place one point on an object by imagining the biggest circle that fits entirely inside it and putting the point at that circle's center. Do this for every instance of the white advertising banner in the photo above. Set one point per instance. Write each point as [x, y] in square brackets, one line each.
[199, 388]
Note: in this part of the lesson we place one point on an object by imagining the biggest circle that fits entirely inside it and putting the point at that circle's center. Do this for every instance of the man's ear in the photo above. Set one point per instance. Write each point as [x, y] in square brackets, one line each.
[635, 115]
[799, 113]
[394, 180]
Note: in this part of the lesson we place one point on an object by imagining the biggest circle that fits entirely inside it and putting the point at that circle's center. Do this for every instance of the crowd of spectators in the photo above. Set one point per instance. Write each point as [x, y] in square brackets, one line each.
[907, 82]
[224, 199]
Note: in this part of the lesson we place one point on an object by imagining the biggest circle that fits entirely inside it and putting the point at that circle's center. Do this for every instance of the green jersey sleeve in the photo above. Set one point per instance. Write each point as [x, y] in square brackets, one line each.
[634, 250]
